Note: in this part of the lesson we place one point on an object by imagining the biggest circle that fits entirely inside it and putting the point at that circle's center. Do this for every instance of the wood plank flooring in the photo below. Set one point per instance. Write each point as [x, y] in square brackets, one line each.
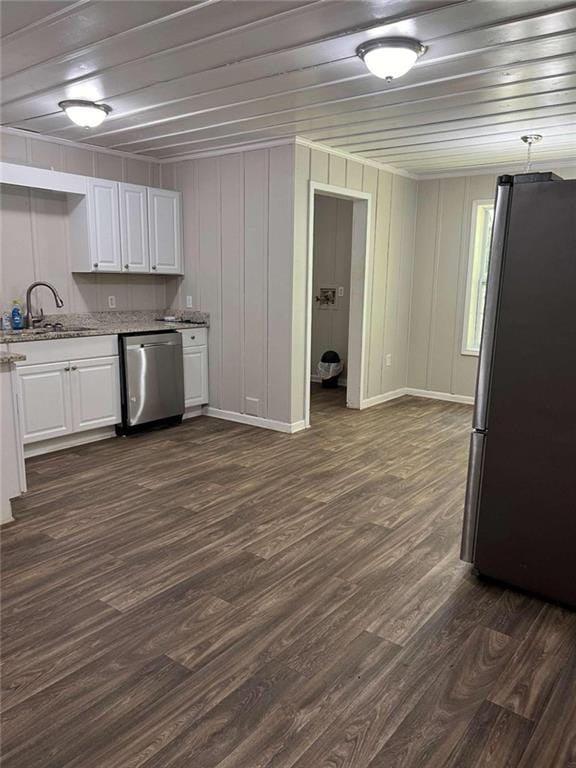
[218, 596]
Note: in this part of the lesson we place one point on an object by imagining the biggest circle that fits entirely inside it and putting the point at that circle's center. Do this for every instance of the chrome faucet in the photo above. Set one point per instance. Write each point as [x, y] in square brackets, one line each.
[30, 320]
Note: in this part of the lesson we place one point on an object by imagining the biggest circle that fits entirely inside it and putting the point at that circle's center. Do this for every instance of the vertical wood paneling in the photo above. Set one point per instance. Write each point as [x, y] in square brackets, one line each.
[108, 166]
[439, 282]
[337, 171]
[280, 265]
[319, 161]
[46, 154]
[423, 277]
[136, 171]
[255, 340]
[300, 196]
[232, 277]
[443, 324]
[354, 174]
[380, 297]
[77, 160]
[209, 250]
[370, 185]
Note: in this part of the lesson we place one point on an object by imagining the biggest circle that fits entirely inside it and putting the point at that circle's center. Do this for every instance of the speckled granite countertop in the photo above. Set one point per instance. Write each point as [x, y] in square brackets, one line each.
[11, 357]
[107, 324]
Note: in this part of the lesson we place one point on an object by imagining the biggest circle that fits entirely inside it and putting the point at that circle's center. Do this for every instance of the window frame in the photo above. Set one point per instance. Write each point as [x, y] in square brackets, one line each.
[482, 203]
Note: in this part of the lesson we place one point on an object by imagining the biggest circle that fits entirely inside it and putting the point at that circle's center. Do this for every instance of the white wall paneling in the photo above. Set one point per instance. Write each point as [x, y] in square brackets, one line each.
[388, 278]
[445, 207]
[238, 267]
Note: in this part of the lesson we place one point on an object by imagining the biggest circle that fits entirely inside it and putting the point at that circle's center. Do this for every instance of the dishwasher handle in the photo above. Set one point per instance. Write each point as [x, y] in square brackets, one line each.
[160, 344]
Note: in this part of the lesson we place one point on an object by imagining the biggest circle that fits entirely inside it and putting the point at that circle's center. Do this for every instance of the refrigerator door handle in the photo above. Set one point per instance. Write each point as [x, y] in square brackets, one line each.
[491, 306]
[475, 462]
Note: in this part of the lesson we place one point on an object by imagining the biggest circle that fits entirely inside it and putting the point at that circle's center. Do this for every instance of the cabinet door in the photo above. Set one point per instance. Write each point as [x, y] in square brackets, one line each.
[104, 225]
[95, 393]
[195, 376]
[44, 394]
[165, 227]
[134, 228]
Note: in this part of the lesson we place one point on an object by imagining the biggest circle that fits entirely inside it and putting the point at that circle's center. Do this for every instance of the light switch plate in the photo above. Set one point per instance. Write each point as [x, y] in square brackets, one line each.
[112, 302]
[388, 359]
[189, 302]
[341, 291]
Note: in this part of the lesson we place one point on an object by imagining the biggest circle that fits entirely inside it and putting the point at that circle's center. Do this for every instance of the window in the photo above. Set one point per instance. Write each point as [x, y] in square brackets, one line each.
[482, 218]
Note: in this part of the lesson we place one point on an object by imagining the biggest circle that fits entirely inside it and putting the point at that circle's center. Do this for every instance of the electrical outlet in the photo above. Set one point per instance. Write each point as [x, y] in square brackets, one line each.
[112, 302]
[341, 291]
[189, 302]
[388, 360]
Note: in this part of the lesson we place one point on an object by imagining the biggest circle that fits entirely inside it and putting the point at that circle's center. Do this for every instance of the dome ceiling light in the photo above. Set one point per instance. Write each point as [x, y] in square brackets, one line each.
[86, 114]
[390, 57]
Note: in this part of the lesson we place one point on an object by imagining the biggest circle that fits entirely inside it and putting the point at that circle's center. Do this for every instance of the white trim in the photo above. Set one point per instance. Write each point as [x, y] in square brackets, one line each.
[447, 396]
[193, 412]
[255, 421]
[250, 146]
[356, 336]
[368, 402]
[303, 142]
[78, 144]
[464, 348]
[232, 149]
[68, 441]
[41, 178]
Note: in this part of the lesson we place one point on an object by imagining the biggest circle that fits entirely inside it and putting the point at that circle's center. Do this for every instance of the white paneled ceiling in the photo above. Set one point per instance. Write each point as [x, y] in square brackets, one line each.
[186, 78]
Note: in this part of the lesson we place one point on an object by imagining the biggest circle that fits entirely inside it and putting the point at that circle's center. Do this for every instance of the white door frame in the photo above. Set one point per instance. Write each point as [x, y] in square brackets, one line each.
[361, 226]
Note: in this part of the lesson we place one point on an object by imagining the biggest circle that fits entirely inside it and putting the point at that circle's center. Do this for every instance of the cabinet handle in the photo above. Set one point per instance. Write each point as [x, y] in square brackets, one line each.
[154, 266]
[192, 337]
[74, 368]
[95, 266]
[126, 266]
[67, 368]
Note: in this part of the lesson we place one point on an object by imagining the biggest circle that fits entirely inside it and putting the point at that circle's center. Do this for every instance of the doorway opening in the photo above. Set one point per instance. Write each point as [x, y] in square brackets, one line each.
[338, 253]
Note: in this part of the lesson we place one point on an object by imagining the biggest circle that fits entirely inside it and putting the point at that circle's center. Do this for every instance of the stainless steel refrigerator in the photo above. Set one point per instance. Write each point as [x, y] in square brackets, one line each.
[520, 509]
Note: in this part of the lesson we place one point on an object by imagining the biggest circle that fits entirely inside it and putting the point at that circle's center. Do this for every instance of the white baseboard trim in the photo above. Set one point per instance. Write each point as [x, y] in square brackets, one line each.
[256, 421]
[368, 402]
[191, 413]
[447, 396]
[68, 441]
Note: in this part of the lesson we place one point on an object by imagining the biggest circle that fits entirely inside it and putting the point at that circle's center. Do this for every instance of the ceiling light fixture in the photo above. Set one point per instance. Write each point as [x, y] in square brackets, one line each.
[529, 140]
[390, 57]
[86, 114]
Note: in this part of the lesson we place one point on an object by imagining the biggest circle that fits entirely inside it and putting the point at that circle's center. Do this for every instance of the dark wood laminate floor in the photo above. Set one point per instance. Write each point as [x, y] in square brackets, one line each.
[218, 596]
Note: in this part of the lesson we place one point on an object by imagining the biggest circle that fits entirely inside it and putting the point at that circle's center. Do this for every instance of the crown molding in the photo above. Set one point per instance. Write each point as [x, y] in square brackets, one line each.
[76, 144]
[301, 141]
[233, 149]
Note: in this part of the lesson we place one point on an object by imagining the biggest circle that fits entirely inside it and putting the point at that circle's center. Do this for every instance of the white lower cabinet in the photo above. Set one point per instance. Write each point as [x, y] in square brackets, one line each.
[57, 399]
[44, 401]
[95, 386]
[195, 376]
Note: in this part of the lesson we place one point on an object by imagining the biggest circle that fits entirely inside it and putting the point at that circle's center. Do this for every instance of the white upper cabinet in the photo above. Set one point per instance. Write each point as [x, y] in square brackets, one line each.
[134, 228]
[104, 225]
[165, 228]
[117, 227]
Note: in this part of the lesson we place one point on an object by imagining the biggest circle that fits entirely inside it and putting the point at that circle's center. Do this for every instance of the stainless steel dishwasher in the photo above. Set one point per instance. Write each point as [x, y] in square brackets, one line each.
[152, 379]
